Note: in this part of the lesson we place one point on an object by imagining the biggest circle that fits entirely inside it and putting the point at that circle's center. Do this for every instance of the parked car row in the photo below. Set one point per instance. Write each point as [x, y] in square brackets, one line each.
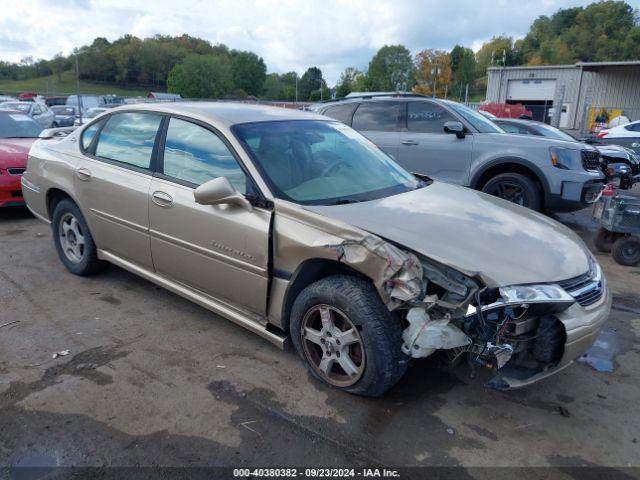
[451, 142]
[294, 225]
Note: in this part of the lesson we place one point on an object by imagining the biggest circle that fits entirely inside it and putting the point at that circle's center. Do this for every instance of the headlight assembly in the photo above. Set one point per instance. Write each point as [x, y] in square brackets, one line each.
[534, 294]
[565, 158]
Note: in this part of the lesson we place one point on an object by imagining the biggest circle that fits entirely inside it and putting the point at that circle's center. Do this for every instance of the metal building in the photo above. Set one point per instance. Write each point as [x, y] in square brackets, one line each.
[583, 89]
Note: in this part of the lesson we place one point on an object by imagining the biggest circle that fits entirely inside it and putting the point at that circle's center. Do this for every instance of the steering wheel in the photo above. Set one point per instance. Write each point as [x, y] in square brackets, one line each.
[333, 165]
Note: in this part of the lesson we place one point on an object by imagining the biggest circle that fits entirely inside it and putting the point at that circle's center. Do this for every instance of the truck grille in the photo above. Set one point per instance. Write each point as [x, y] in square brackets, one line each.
[16, 171]
[591, 159]
[587, 288]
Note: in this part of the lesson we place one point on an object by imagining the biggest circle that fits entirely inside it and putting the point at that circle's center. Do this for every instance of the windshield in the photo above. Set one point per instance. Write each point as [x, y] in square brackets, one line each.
[479, 121]
[18, 125]
[321, 163]
[552, 132]
[62, 110]
[21, 106]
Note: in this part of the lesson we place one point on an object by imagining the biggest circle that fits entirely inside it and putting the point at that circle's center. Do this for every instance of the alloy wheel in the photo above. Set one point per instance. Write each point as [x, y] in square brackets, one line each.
[71, 237]
[511, 191]
[333, 346]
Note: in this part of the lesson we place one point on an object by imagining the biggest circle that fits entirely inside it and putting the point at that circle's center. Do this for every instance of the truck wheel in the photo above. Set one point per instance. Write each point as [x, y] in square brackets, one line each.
[604, 240]
[516, 188]
[347, 336]
[73, 241]
[626, 250]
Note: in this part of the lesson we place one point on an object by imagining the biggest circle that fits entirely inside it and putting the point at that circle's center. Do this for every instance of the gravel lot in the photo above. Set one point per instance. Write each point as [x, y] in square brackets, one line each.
[153, 380]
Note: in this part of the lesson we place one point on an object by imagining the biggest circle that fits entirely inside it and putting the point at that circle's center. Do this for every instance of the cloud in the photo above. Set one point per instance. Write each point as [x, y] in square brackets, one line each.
[288, 34]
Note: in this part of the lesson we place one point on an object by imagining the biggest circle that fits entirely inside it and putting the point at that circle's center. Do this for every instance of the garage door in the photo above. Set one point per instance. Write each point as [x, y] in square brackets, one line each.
[531, 89]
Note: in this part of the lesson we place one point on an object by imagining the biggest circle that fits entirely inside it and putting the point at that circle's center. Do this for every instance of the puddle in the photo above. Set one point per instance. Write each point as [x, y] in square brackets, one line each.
[32, 467]
[602, 354]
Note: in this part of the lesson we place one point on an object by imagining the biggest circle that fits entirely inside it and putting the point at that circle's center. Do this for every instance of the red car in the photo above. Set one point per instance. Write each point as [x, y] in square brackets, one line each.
[17, 132]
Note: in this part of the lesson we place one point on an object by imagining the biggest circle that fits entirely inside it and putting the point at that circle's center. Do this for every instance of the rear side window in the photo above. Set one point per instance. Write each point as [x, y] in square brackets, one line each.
[88, 135]
[342, 113]
[377, 116]
[196, 155]
[129, 138]
[634, 127]
[426, 117]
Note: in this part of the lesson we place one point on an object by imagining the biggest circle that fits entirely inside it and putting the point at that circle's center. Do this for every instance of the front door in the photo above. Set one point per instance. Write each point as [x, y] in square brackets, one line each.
[426, 148]
[219, 250]
[113, 182]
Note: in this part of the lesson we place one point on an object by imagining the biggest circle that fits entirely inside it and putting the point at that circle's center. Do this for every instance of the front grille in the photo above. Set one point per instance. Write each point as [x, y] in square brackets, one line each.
[16, 171]
[590, 159]
[587, 288]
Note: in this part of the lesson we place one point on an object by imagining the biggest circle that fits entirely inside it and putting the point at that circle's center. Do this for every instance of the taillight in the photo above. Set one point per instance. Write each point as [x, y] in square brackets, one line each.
[602, 134]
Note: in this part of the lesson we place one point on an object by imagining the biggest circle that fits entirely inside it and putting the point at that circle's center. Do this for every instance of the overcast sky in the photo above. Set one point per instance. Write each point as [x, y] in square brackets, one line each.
[288, 34]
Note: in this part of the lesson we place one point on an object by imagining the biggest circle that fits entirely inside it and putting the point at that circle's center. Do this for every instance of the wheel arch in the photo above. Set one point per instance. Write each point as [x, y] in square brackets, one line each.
[53, 197]
[308, 272]
[510, 165]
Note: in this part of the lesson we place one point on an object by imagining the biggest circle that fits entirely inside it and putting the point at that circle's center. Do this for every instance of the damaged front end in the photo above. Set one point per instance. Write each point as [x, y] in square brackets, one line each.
[511, 330]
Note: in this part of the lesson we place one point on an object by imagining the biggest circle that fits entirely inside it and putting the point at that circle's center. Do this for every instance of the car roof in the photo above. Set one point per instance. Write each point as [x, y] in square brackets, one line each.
[382, 97]
[228, 113]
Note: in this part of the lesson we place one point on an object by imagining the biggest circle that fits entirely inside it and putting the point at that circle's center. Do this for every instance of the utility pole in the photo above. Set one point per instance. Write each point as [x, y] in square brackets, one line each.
[78, 89]
[320, 88]
[296, 87]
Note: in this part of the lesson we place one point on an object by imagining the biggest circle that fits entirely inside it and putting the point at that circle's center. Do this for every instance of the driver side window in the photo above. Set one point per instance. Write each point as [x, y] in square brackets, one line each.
[427, 117]
[196, 155]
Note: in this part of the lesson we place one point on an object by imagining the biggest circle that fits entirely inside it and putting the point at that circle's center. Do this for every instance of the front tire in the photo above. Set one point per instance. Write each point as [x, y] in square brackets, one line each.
[515, 188]
[626, 250]
[73, 240]
[347, 336]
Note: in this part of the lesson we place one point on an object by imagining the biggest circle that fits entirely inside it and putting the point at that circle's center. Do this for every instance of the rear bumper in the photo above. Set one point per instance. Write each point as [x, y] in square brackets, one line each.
[582, 326]
[10, 190]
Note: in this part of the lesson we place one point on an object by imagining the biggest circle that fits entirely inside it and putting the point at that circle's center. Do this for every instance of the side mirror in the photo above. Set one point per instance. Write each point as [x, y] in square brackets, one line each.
[454, 127]
[219, 191]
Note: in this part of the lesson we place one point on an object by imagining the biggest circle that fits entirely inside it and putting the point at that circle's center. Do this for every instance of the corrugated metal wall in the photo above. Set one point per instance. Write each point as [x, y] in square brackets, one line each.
[569, 76]
[612, 87]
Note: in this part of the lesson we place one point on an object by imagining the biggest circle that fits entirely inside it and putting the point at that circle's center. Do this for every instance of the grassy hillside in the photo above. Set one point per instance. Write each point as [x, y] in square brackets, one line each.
[67, 85]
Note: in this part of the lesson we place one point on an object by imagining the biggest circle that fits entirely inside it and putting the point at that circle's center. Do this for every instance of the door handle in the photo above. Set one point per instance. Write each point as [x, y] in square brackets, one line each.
[410, 142]
[83, 174]
[162, 199]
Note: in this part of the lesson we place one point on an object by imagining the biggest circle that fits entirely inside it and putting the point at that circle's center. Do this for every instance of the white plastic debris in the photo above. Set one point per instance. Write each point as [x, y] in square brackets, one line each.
[61, 353]
[424, 336]
[502, 353]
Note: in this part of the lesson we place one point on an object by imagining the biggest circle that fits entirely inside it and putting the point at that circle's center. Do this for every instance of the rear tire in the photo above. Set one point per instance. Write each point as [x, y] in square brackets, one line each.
[626, 250]
[73, 240]
[515, 188]
[348, 303]
[604, 240]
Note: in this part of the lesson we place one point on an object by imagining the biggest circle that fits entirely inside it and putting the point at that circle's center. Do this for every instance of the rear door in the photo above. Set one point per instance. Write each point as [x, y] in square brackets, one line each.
[426, 148]
[379, 121]
[220, 250]
[113, 180]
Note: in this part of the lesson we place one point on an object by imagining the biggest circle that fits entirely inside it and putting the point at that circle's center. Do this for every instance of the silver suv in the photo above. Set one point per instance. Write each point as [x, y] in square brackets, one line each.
[451, 142]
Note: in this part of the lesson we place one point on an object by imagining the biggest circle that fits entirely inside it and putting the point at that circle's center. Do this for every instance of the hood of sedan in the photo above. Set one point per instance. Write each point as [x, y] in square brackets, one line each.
[477, 234]
[14, 151]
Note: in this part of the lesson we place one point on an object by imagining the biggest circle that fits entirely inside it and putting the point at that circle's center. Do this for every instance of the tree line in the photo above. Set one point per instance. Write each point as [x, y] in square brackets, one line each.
[193, 67]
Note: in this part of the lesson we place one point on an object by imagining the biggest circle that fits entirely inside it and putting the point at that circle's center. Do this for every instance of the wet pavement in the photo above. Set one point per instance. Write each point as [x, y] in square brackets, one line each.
[153, 380]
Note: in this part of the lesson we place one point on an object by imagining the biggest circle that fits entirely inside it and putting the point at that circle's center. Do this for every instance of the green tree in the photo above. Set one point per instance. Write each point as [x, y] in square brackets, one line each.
[391, 69]
[496, 52]
[249, 72]
[310, 81]
[463, 65]
[201, 76]
[348, 80]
